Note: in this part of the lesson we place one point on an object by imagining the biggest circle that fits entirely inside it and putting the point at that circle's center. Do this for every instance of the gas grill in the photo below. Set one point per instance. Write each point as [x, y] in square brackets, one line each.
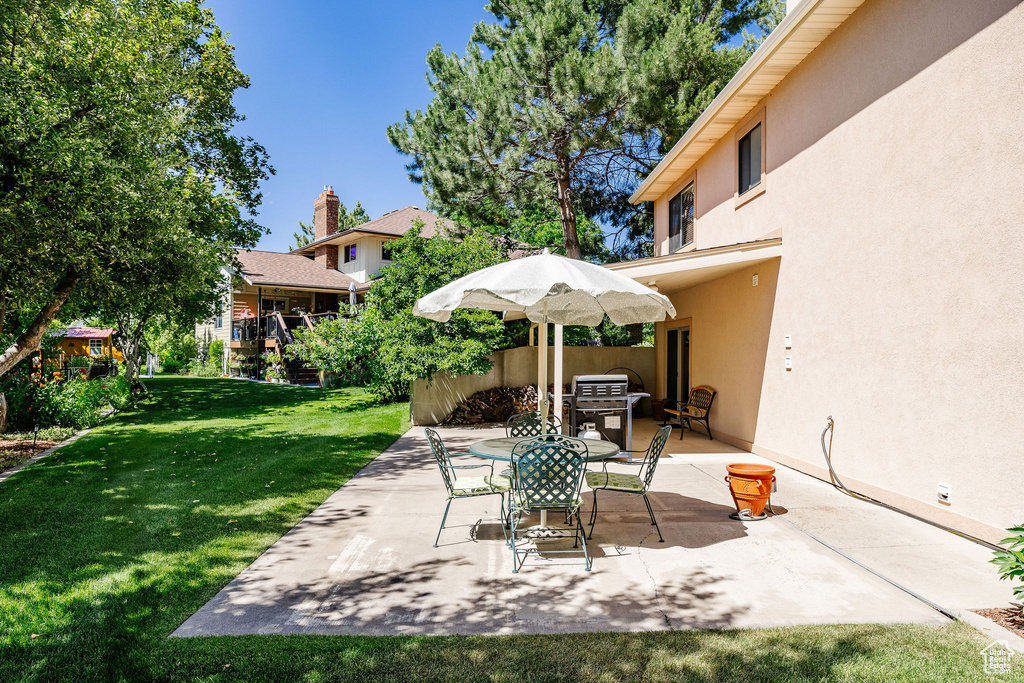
[606, 401]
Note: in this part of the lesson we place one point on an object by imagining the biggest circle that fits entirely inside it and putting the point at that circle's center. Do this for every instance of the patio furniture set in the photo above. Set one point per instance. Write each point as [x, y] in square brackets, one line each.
[546, 474]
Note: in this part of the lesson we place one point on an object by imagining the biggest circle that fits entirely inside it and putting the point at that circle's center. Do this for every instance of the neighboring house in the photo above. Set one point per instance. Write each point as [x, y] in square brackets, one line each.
[93, 342]
[841, 233]
[273, 292]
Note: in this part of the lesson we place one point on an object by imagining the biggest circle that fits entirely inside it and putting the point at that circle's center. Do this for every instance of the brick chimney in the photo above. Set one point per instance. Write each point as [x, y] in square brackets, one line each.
[325, 222]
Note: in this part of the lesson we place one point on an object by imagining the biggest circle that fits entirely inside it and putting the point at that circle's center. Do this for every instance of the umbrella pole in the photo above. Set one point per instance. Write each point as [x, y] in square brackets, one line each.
[559, 381]
[542, 371]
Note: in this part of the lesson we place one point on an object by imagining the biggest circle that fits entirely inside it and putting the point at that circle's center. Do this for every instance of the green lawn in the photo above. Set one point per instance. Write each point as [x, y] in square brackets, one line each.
[110, 544]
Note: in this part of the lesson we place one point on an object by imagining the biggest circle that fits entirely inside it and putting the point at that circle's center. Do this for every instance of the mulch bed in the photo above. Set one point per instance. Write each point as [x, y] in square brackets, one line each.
[1009, 618]
[15, 452]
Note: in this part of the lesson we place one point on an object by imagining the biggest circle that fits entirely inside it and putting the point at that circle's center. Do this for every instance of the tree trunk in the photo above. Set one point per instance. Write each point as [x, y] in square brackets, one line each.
[3, 412]
[568, 216]
[129, 334]
[28, 341]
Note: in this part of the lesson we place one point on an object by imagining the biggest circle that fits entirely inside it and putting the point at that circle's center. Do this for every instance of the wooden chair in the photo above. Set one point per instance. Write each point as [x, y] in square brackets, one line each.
[698, 409]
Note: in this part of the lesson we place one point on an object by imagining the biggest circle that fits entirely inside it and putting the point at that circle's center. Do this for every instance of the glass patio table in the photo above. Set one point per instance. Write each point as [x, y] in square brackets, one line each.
[501, 449]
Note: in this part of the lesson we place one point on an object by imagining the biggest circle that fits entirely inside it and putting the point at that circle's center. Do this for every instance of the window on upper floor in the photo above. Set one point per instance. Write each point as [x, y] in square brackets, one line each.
[680, 219]
[219, 322]
[350, 253]
[750, 159]
[385, 252]
[95, 347]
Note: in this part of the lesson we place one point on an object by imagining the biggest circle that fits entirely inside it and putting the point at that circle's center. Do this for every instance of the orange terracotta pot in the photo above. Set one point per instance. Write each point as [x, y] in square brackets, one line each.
[750, 486]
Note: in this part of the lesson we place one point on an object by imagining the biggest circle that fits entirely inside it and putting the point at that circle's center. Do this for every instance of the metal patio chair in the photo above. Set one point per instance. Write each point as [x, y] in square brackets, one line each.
[697, 409]
[547, 474]
[569, 442]
[466, 487]
[531, 424]
[635, 484]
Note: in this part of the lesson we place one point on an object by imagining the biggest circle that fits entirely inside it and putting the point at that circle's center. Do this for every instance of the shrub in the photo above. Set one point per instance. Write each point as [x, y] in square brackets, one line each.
[216, 353]
[37, 398]
[198, 368]
[177, 352]
[79, 403]
[1011, 560]
[80, 361]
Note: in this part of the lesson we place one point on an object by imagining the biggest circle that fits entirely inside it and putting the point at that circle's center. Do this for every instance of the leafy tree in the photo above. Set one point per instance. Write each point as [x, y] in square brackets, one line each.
[568, 102]
[181, 280]
[346, 220]
[112, 110]
[387, 346]
[538, 226]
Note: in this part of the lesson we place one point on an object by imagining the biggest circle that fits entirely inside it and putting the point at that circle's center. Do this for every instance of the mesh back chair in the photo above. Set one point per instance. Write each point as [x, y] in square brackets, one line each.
[697, 409]
[547, 474]
[466, 487]
[531, 424]
[636, 484]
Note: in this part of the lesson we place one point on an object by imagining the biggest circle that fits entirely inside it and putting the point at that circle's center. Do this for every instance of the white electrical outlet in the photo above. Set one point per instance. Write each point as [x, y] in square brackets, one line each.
[789, 362]
[944, 493]
[789, 341]
[755, 281]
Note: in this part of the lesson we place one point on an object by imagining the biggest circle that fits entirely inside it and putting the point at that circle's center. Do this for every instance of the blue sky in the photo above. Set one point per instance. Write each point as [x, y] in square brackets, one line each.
[327, 80]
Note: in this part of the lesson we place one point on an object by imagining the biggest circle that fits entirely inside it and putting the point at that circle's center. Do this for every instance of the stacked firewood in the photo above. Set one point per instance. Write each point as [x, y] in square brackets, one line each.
[494, 405]
[497, 405]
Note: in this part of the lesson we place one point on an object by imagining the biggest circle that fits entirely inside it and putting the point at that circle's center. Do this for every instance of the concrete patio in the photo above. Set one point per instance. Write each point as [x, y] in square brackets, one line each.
[363, 562]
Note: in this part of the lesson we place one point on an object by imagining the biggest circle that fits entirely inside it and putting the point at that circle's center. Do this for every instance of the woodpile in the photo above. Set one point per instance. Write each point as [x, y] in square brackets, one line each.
[499, 404]
[494, 405]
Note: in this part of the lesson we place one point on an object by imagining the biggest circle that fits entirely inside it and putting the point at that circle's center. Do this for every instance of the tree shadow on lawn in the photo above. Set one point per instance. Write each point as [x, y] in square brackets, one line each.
[176, 398]
[796, 654]
[122, 535]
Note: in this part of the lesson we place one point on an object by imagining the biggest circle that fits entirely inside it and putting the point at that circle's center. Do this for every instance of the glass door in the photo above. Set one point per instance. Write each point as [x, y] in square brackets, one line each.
[678, 366]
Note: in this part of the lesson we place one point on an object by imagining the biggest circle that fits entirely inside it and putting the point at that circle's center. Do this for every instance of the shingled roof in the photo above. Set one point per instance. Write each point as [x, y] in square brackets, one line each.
[394, 223]
[271, 268]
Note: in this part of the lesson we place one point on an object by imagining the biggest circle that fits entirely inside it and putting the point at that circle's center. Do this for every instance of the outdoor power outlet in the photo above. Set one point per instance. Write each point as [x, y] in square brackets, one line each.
[944, 493]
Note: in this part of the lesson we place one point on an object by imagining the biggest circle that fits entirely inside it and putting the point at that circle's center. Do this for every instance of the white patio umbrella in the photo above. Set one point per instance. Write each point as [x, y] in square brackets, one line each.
[550, 289]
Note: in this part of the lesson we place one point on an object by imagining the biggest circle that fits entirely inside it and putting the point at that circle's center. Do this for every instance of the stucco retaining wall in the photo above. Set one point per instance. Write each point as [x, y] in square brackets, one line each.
[433, 402]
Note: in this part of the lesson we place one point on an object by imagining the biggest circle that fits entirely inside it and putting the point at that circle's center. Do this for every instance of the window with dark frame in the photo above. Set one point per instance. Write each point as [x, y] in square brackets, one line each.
[95, 347]
[680, 219]
[385, 252]
[750, 159]
[350, 253]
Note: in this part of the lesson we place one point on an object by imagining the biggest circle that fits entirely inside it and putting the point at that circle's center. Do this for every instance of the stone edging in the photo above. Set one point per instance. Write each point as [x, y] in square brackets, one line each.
[7, 474]
[993, 630]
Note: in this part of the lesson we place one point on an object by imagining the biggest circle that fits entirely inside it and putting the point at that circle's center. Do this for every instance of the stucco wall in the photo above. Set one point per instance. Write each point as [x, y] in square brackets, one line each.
[893, 153]
[432, 403]
[729, 321]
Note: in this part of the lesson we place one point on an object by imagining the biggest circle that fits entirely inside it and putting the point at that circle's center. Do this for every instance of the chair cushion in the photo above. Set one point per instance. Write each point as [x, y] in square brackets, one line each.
[696, 412]
[518, 500]
[614, 480]
[480, 486]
